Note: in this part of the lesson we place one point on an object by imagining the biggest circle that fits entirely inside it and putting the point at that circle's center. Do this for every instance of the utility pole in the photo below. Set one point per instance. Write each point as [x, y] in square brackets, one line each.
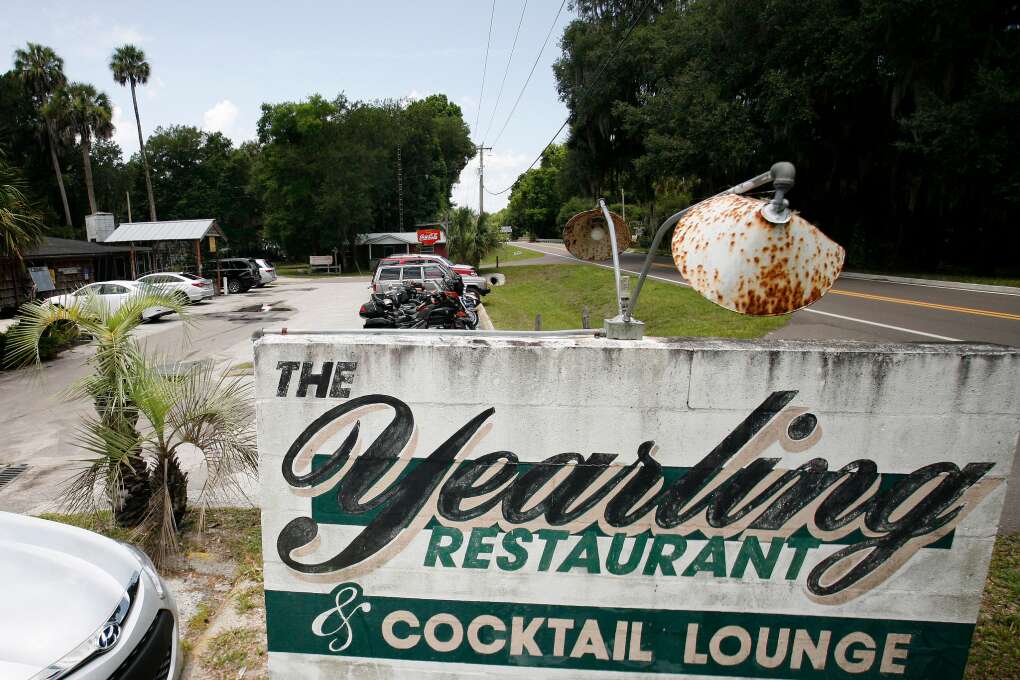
[128, 194]
[400, 190]
[481, 179]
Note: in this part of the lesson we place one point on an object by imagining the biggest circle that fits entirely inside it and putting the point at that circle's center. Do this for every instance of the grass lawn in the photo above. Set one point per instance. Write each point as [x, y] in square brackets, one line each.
[560, 292]
[509, 253]
[995, 651]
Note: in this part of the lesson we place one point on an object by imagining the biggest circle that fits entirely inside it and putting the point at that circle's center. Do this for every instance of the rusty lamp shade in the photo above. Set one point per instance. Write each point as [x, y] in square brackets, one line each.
[586, 235]
[731, 254]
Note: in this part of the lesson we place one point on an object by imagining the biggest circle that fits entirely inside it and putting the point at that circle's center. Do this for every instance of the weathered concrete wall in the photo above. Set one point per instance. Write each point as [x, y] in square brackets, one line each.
[547, 507]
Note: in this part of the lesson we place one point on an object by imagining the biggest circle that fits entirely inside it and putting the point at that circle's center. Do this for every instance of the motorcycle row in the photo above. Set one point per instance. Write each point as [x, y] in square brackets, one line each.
[410, 305]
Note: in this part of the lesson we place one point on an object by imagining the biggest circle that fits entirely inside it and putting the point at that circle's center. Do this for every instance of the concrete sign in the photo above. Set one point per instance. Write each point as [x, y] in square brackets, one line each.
[464, 506]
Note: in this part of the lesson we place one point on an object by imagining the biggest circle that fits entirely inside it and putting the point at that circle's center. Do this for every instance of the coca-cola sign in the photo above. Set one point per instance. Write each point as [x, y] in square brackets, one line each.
[429, 237]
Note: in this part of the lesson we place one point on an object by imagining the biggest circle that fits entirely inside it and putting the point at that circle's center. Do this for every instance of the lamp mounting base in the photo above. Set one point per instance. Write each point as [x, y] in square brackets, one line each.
[619, 329]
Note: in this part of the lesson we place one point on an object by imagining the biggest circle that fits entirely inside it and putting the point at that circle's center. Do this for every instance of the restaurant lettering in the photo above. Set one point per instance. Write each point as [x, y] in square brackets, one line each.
[735, 492]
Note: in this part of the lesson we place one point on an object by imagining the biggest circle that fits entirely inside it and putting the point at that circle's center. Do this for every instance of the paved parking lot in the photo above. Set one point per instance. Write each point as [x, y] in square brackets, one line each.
[39, 426]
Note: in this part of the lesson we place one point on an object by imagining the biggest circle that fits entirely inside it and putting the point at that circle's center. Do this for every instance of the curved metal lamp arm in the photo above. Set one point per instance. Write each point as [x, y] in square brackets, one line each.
[782, 174]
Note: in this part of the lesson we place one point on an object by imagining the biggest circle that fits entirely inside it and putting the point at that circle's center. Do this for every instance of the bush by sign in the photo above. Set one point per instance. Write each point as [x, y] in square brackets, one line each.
[690, 509]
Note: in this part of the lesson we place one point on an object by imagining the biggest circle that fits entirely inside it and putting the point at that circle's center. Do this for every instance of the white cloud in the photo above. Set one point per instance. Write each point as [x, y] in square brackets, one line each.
[154, 87]
[221, 118]
[124, 133]
[127, 34]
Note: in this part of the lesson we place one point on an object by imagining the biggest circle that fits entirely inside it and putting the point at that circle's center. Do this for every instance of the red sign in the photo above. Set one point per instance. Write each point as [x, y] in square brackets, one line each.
[428, 237]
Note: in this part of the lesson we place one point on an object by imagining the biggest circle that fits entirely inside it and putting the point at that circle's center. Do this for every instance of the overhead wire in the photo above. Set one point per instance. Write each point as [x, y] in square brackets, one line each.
[485, 68]
[584, 92]
[531, 72]
[506, 71]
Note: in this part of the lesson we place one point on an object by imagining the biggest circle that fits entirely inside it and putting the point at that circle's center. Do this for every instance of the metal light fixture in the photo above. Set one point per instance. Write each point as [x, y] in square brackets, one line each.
[748, 255]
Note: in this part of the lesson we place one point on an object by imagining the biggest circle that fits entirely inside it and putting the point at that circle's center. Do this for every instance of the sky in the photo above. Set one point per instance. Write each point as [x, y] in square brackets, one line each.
[214, 63]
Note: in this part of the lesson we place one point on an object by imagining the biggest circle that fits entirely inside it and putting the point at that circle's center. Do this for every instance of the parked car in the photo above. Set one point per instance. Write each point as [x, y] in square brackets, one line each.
[240, 272]
[112, 293]
[80, 606]
[191, 287]
[267, 273]
[472, 282]
[411, 258]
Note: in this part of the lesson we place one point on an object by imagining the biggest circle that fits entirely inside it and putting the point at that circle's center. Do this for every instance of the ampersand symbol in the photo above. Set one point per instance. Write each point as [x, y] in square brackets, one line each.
[344, 595]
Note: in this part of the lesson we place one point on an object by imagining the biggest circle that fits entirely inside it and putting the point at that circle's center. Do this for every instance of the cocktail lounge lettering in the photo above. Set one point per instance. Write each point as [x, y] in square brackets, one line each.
[732, 491]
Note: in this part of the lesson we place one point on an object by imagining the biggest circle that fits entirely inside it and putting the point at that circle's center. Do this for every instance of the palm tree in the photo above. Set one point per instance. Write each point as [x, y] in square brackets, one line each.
[21, 225]
[179, 407]
[129, 66]
[90, 116]
[42, 73]
[470, 238]
[108, 385]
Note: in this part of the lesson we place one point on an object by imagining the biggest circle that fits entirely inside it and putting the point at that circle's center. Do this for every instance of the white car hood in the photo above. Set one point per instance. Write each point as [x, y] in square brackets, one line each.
[58, 584]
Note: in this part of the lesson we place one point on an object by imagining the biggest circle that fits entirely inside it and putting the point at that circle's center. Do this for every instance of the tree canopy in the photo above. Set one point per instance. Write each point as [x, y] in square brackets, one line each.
[328, 170]
[901, 116]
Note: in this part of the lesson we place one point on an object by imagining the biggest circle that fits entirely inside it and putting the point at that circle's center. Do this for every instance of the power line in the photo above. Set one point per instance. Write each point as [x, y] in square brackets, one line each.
[485, 67]
[505, 72]
[584, 91]
[530, 73]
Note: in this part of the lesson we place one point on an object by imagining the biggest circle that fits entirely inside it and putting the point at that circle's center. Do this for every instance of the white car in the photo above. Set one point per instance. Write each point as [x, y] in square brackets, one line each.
[81, 606]
[195, 288]
[267, 274]
[112, 293]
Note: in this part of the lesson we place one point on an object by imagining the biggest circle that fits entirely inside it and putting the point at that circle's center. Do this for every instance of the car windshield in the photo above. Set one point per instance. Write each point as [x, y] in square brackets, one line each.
[193, 277]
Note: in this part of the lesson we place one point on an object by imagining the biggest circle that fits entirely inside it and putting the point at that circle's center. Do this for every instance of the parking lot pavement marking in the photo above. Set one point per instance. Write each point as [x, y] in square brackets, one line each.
[929, 305]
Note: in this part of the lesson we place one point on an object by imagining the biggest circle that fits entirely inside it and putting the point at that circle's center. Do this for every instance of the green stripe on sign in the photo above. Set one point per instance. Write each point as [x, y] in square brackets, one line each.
[326, 509]
[683, 642]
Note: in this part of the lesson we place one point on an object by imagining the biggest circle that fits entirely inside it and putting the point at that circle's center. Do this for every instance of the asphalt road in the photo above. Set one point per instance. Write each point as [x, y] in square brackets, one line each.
[858, 309]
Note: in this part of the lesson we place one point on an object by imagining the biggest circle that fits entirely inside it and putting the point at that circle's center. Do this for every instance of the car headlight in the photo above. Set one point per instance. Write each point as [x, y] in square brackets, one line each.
[148, 568]
[102, 640]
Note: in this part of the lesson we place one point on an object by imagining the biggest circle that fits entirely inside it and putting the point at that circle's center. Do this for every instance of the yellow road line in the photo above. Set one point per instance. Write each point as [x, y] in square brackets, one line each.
[929, 305]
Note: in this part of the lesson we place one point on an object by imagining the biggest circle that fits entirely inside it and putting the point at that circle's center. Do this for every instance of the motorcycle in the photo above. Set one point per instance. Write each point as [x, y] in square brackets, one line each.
[408, 306]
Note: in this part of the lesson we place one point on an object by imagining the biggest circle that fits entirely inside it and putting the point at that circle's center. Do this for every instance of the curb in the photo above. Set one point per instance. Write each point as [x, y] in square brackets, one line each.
[484, 322]
[935, 283]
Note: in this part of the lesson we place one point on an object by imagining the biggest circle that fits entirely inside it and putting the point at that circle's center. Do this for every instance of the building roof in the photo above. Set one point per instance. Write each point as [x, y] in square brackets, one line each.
[394, 238]
[166, 230]
[65, 247]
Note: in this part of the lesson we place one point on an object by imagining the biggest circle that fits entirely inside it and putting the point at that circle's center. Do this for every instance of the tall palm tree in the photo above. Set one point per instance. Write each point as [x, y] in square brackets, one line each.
[129, 66]
[21, 224]
[90, 116]
[107, 385]
[42, 73]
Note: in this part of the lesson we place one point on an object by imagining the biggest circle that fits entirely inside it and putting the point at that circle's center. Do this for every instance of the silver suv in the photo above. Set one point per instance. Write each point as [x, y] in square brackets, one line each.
[426, 273]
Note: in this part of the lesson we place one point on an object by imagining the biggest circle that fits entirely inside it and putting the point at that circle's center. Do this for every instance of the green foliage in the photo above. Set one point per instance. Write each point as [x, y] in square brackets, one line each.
[470, 239]
[198, 174]
[327, 170]
[911, 109]
[129, 66]
[537, 196]
[21, 222]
